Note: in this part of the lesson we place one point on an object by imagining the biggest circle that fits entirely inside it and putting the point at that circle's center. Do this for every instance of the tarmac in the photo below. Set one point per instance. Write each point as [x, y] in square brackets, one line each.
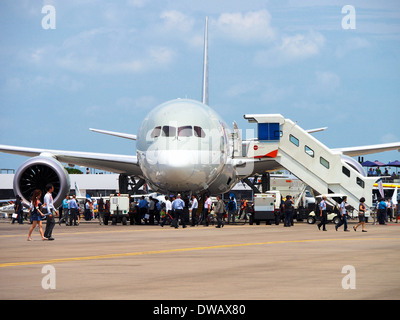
[237, 262]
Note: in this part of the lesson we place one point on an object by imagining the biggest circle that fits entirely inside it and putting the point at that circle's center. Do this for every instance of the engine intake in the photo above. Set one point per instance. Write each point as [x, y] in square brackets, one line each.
[36, 173]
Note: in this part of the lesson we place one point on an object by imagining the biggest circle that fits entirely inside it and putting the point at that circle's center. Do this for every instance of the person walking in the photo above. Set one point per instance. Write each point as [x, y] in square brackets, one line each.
[152, 208]
[168, 211]
[343, 215]
[381, 211]
[206, 210]
[361, 215]
[73, 211]
[177, 206]
[100, 209]
[65, 215]
[288, 209]
[193, 210]
[36, 214]
[143, 207]
[51, 212]
[19, 210]
[231, 208]
[322, 214]
[219, 211]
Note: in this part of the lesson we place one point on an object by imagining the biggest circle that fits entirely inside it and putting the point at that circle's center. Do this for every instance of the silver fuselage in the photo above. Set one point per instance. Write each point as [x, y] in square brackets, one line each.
[184, 146]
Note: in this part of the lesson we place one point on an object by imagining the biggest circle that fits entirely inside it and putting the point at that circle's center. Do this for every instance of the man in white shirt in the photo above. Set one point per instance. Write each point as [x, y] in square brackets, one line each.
[168, 211]
[50, 210]
[206, 210]
[193, 210]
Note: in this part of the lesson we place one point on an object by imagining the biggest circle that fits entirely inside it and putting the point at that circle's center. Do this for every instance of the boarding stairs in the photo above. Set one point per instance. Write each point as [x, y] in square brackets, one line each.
[319, 167]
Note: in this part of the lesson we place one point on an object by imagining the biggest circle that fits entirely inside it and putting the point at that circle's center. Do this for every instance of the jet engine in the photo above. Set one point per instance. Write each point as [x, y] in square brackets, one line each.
[354, 164]
[36, 173]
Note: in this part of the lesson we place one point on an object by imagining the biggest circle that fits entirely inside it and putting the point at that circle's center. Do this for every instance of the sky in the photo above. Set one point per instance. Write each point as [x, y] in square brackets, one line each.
[105, 64]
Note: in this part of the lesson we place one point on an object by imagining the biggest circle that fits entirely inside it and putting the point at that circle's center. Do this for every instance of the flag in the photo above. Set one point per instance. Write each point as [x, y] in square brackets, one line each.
[380, 187]
[394, 198]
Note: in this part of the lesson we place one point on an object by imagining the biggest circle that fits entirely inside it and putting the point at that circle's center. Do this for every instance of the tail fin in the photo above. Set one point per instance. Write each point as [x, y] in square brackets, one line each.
[205, 66]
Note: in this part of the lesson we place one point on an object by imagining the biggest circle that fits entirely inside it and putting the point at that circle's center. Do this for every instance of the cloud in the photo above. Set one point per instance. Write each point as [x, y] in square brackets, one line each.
[327, 82]
[301, 46]
[176, 21]
[101, 51]
[351, 45]
[291, 49]
[250, 27]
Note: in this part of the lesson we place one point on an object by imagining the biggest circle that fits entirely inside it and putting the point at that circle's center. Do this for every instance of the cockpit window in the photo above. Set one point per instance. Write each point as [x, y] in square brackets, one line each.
[185, 131]
[199, 132]
[156, 132]
[168, 131]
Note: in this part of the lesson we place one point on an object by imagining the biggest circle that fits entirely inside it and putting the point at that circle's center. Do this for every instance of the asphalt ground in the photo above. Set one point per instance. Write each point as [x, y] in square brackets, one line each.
[237, 262]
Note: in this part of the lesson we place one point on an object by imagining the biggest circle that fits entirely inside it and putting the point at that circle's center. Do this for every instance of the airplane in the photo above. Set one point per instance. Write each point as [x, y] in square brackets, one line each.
[183, 146]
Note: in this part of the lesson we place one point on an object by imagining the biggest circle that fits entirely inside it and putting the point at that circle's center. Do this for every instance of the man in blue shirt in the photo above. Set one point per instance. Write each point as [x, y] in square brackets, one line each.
[65, 211]
[143, 207]
[73, 210]
[322, 214]
[343, 214]
[177, 206]
[382, 207]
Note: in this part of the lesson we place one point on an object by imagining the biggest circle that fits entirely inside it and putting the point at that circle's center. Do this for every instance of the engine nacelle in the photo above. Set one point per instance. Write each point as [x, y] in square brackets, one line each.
[36, 173]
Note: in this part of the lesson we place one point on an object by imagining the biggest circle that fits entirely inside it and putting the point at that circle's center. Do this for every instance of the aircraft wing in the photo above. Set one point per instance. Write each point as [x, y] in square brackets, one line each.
[108, 162]
[360, 151]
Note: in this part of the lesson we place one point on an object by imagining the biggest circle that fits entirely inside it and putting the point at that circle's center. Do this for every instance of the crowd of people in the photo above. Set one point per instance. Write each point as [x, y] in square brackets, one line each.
[175, 211]
[178, 210]
[377, 172]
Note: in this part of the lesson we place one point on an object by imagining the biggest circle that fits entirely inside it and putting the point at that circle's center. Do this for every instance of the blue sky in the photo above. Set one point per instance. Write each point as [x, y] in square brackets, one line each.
[108, 63]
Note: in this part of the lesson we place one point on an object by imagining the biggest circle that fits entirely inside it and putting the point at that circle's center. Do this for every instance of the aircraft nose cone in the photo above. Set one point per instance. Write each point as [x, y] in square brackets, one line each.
[178, 170]
[176, 167]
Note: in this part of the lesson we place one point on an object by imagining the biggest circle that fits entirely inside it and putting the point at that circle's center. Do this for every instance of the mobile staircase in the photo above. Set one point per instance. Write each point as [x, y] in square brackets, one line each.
[324, 170]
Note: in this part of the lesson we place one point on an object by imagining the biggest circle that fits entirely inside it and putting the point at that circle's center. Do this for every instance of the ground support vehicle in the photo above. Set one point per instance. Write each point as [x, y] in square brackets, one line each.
[266, 208]
[119, 209]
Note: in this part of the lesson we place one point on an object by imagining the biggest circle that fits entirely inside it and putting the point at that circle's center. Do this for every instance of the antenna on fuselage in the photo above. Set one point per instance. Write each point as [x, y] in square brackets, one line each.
[205, 66]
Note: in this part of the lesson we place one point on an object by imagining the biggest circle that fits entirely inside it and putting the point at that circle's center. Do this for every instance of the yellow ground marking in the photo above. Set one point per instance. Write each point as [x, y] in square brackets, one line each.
[130, 254]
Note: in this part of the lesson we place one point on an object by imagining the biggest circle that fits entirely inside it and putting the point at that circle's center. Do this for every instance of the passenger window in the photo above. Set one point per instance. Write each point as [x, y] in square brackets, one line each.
[199, 132]
[168, 131]
[309, 151]
[324, 162]
[360, 183]
[346, 171]
[294, 140]
[185, 131]
[156, 132]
